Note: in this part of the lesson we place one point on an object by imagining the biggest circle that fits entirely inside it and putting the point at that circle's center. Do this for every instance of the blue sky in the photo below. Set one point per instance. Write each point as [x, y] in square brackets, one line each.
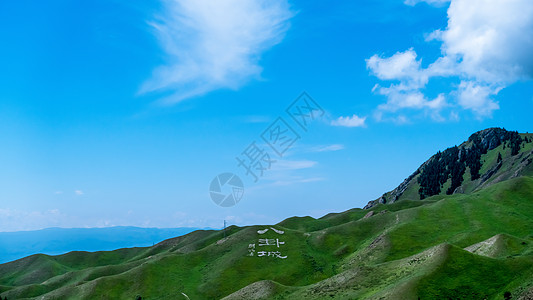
[115, 113]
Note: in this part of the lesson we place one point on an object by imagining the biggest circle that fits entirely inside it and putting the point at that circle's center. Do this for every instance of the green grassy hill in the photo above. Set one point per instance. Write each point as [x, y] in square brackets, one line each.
[474, 244]
[488, 157]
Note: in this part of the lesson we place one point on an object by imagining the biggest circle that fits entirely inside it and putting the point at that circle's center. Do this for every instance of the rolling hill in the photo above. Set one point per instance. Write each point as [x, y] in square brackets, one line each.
[460, 227]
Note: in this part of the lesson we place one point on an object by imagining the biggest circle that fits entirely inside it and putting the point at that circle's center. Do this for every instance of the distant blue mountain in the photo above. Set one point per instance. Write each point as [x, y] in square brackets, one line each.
[54, 241]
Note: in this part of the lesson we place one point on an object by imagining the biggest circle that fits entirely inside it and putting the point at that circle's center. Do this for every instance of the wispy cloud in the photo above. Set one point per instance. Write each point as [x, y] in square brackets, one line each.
[286, 180]
[287, 165]
[78, 192]
[328, 148]
[16, 220]
[296, 181]
[486, 47]
[288, 172]
[353, 121]
[214, 44]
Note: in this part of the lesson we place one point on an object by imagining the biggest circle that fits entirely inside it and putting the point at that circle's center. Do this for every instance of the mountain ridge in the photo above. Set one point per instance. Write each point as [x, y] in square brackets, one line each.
[472, 245]
[463, 158]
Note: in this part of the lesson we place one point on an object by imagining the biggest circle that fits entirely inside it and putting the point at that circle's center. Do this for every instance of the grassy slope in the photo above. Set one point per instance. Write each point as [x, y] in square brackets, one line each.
[339, 256]
[510, 165]
[460, 220]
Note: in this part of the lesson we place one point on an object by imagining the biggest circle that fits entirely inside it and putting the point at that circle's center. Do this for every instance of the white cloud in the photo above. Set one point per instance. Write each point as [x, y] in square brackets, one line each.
[399, 119]
[285, 180]
[78, 192]
[401, 66]
[405, 68]
[476, 97]
[328, 148]
[296, 181]
[487, 45]
[353, 121]
[413, 98]
[214, 44]
[491, 39]
[286, 165]
[287, 172]
[17, 220]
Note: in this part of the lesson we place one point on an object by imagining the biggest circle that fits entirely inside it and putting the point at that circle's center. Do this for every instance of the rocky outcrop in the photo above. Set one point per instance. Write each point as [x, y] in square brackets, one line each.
[368, 215]
[393, 195]
[491, 172]
[263, 289]
[526, 161]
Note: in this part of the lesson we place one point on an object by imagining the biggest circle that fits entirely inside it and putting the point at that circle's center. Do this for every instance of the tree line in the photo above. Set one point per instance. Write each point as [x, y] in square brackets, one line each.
[452, 162]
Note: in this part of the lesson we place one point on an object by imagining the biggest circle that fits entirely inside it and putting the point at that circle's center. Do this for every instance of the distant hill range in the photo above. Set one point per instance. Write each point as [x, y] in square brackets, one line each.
[460, 227]
[53, 241]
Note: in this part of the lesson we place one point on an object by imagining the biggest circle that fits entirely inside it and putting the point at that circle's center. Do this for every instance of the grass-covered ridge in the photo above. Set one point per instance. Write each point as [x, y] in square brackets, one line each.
[487, 157]
[409, 248]
[473, 244]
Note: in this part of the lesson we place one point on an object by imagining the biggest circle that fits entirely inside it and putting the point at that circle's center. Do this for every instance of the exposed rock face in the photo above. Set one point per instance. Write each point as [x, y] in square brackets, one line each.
[259, 290]
[373, 203]
[486, 248]
[527, 295]
[490, 138]
[491, 172]
[526, 161]
[397, 192]
[393, 195]
[368, 215]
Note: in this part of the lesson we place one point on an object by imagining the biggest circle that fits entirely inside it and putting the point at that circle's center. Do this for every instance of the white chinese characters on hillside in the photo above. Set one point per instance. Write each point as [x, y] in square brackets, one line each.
[265, 245]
